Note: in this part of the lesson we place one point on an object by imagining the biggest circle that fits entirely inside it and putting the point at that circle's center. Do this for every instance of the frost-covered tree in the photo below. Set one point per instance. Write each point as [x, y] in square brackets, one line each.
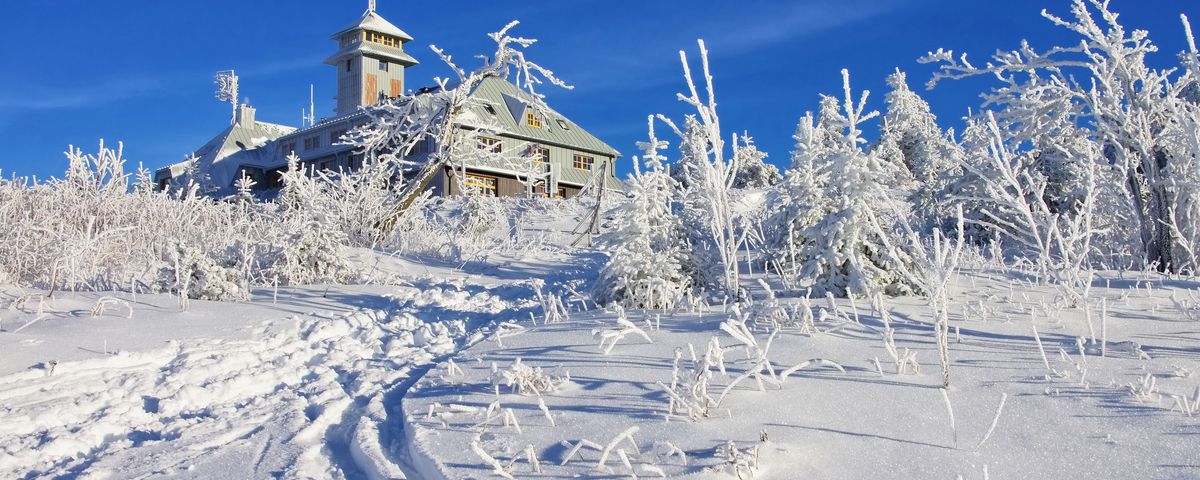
[843, 251]
[647, 264]
[709, 220]
[753, 171]
[436, 116]
[910, 136]
[1130, 111]
[798, 201]
[693, 149]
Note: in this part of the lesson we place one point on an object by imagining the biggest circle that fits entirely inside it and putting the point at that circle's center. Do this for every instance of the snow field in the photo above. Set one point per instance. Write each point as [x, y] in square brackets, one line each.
[1086, 416]
[306, 396]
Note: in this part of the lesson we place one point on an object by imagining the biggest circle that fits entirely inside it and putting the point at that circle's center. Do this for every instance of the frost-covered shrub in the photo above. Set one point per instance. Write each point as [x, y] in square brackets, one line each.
[95, 229]
[314, 255]
[753, 171]
[197, 276]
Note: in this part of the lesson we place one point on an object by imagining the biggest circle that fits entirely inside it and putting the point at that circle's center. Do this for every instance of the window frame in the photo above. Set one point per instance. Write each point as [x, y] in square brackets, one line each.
[482, 185]
[312, 143]
[583, 162]
[536, 151]
[490, 144]
[532, 119]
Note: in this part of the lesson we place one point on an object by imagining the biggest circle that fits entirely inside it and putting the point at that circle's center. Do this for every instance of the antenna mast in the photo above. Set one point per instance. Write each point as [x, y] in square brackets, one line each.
[227, 91]
[309, 118]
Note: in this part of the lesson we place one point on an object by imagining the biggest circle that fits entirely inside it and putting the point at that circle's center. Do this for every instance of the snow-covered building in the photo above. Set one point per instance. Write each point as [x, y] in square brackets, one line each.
[371, 62]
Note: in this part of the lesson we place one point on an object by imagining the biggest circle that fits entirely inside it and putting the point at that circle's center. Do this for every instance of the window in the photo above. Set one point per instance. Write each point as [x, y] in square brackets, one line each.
[583, 162]
[312, 143]
[383, 66]
[349, 65]
[532, 119]
[480, 185]
[388, 40]
[490, 109]
[289, 148]
[489, 144]
[563, 124]
[539, 154]
[335, 136]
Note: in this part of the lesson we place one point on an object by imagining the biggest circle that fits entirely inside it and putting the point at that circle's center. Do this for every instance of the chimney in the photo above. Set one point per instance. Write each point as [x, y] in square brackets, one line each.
[245, 115]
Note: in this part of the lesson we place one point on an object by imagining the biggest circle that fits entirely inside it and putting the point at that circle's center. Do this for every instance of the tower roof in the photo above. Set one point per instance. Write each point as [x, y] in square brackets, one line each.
[371, 21]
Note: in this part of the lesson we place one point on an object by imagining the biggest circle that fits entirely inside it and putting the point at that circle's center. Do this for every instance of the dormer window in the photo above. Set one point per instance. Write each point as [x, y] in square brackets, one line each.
[532, 120]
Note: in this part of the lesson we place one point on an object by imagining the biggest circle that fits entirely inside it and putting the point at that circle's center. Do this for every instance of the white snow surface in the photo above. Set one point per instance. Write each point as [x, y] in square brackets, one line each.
[1078, 420]
[299, 383]
[396, 381]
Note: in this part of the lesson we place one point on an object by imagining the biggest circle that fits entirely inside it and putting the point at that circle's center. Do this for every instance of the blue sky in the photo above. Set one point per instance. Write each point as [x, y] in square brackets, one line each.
[140, 71]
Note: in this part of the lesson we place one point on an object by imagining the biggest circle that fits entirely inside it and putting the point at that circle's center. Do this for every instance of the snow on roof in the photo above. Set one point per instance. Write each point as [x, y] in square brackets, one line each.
[375, 23]
[235, 146]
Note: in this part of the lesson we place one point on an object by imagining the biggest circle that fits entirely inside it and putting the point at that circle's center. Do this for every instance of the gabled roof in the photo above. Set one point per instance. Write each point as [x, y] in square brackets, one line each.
[235, 146]
[373, 22]
[510, 102]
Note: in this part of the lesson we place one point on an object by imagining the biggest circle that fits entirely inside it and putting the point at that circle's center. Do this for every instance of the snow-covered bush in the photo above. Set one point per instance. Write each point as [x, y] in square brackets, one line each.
[93, 230]
[798, 202]
[753, 171]
[314, 255]
[191, 273]
[647, 264]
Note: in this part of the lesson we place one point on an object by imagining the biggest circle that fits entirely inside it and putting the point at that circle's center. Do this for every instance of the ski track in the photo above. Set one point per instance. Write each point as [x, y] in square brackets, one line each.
[311, 397]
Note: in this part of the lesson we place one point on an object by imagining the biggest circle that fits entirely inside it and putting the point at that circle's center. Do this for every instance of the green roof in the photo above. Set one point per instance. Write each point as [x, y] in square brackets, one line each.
[509, 104]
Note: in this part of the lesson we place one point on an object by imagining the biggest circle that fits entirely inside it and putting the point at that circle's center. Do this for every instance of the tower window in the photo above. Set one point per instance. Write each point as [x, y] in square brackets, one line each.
[383, 66]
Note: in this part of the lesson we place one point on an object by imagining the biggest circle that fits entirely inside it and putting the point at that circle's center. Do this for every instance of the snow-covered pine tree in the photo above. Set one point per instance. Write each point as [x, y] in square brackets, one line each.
[646, 267]
[797, 202]
[753, 171]
[843, 252]
[693, 149]
[910, 136]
